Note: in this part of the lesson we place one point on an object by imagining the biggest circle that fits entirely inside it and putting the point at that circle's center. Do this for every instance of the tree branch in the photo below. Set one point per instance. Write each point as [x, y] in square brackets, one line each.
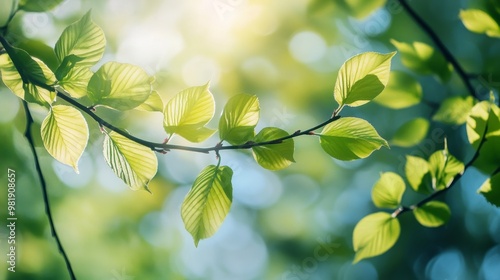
[29, 137]
[440, 45]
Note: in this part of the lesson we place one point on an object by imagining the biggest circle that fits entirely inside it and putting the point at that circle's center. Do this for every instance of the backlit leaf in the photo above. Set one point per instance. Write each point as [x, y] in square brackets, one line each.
[274, 156]
[417, 174]
[388, 191]
[350, 138]
[480, 22]
[491, 190]
[454, 110]
[374, 235]
[432, 214]
[119, 86]
[239, 118]
[135, 164]
[188, 112]
[411, 133]
[402, 91]
[207, 203]
[443, 168]
[362, 78]
[75, 82]
[154, 103]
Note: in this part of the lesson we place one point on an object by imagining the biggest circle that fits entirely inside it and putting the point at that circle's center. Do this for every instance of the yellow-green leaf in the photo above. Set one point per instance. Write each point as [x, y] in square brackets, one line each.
[480, 22]
[350, 138]
[273, 156]
[491, 190]
[38, 5]
[362, 78]
[411, 133]
[443, 168]
[75, 82]
[363, 8]
[188, 112]
[417, 174]
[432, 214]
[388, 190]
[454, 110]
[119, 86]
[239, 118]
[374, 235]
[207, 203]
[154, 103]
[65, 134]
[402, 91]
[135, 164]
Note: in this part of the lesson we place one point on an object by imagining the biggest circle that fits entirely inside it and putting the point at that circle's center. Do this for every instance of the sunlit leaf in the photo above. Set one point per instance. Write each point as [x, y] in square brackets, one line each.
[154, 103]
[65, 134]
[491, 190]
[362, 78]
[350, 138]
[38, 5]
[417, 174]
[119, 86]
[207, 203]
[388, 190]
[135, 164]
[402, 91]
[75, 82]
[274, 156]
[411, 133]
[454, 110]
[188, 112]
[423, 59]
[432, 214]
[480, 22]
[374, 235]
[443, 168]
[81, 44]
[239, 118]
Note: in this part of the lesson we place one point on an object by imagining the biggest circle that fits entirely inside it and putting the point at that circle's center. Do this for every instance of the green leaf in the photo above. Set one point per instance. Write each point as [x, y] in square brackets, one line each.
[135, 164]
[374, 235]
[363, 8]
[350, 138]
[34, 71]
[65, 134]
[362, 78]
[491, 190]
[38, 5]
[402, 91]
[188, 112]
[81, 45]
[207, 203]
[418, 174]
[119, 86]
[388, 190]
[76, 81]
[432, 214]
[274, 156]
[443, 168]
[154, 103]
[423, 59]
[239, 118]
[480, 22]
[454, 110]
[411, 133]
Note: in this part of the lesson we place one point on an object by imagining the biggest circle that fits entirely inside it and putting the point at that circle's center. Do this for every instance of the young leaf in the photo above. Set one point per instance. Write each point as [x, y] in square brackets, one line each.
[362, 78]
[423, 59]
[239, 118]
[81, 44]
[119, 86]
[75, 82]
[443, 168]
[480, 22]
[388, 191]
[65, 134]
[482, 113]
[350, 138]
[275, 156]
[417, 173]
[135, 164]
[37, 5]
[411, 133]
[402, 91]
[454, 110]
[432, 214]
[491, 190]
[154, 103]
[188, 112]
[374, 235]
[207, 203]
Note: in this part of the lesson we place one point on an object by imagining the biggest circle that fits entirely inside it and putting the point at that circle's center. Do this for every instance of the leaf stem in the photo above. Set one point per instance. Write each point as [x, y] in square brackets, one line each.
[29, 137]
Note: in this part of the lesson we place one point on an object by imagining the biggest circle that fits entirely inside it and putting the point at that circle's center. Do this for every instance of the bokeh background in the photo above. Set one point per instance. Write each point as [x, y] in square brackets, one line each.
[288, 54]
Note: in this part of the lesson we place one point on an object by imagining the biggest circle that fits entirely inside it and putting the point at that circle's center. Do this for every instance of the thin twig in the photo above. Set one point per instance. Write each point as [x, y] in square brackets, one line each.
[29, 137]
[440, 45]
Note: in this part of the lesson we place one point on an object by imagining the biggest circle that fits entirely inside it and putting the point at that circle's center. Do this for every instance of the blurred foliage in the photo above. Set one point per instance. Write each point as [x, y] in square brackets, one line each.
[293, 224]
